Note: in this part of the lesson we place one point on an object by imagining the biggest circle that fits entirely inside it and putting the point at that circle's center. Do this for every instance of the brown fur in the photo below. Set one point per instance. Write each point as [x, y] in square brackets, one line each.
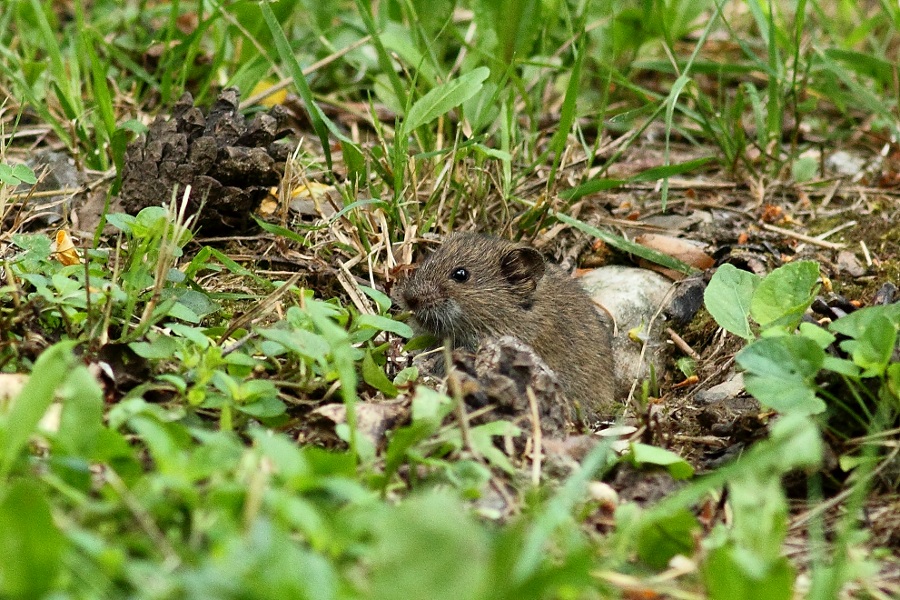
[511, 290]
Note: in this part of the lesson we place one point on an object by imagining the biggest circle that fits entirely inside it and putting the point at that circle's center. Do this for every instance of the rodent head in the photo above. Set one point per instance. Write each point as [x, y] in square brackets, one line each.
[472, 286]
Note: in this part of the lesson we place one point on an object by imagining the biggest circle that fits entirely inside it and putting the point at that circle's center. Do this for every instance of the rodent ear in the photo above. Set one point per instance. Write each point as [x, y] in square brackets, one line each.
[522, 266]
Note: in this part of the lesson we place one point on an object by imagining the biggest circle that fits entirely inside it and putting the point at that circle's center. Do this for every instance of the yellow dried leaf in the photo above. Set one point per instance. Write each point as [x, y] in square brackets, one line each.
[64, 249]
[273, 98]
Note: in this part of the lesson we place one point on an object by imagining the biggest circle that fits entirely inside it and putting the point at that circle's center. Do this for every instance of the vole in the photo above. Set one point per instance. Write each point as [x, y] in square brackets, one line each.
[477, 286]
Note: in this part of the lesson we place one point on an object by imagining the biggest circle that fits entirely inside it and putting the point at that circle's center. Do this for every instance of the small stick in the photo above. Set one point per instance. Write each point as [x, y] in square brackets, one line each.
[682, 345]
[834, 230]
[536, 452]
[865, 251]
[802, 237]
[707, 440]
[459, 404]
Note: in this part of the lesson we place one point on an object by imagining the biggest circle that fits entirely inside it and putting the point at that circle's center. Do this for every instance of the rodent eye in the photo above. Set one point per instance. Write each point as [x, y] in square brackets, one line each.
[460, 275]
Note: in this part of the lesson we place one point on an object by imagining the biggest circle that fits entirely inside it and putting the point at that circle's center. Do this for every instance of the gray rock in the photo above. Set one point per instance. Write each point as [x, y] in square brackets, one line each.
[633, 298]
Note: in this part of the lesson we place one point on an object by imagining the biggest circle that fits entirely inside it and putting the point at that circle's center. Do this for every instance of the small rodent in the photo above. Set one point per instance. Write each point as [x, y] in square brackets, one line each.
[477, 286]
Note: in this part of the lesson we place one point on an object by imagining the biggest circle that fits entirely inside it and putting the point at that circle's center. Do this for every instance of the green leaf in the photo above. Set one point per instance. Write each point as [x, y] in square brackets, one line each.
[282, 231]
[160, 348]
[784, 295]
[842, 366]
[374, 376]
[121, 221]
[591, 186]
[264, 408]
[307, 344]
[661, 539]
[893, 379]
[381, 299]
[780, 373]
[177, 310]
[872, 349]
[617, 241]
[198, 303]
[645, 454]
[728, 297]
[82, 415]
[727, 577]
[817, 334]
[383, 323]
[318, 119]
[429, 405]
[441, 99]
[52, 368]
[856, 323]
[804, 168]
[6, 175]
[24, 174]
[31, 547]
[483, 437]
[664, 171]
[434, 533]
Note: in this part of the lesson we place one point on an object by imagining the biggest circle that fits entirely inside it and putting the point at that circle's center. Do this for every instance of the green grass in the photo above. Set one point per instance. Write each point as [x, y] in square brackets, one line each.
[208, 475]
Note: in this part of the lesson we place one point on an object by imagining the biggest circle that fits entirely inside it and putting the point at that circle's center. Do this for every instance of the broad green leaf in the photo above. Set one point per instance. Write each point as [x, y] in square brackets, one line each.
[855, 324]
[817, 334]
[161, 348]
[381, 299]
[435, 534]
[483, 440]
[798, 441]
[893, 379]
[780, 373]
[784, 295]
[195, 335]
[199, 303]
[52, 368]
[842, 366]
[645, 454]
[374, 376]
[872, 350]
[24, 174]
[429, 405]
[441, 99]
[728, 296]
[121, 221]
[383, 323]
[264, 408]
[727, 577]
[661, 539]
[804, 168]
[82, 415]
[307, 344]
[6, 175]
[31, 547]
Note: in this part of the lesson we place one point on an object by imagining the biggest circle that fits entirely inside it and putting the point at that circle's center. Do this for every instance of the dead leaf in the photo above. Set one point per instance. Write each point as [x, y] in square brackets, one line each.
[63, 249]
[373, 419]
[687, 251]
[273, 99]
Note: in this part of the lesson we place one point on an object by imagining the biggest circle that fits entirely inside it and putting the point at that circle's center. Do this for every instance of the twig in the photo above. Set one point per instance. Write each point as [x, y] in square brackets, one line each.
[537, 451]
[834, 230]
[248, 317]
[865, 251]
[682, 345]
[803, 237]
